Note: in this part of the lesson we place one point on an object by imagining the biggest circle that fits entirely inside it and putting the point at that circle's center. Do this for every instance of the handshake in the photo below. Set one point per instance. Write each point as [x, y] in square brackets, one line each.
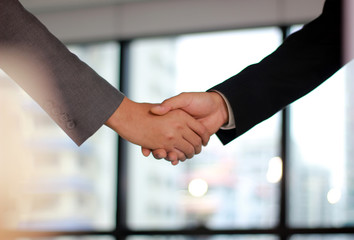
[174, 130]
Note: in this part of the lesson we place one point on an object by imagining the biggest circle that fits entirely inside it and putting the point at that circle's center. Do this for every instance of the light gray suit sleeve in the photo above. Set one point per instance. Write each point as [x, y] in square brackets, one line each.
[74, 96]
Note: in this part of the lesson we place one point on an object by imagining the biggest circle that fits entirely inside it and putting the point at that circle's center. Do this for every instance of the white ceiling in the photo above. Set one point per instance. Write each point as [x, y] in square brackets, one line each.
[95, 20]
[40, 6]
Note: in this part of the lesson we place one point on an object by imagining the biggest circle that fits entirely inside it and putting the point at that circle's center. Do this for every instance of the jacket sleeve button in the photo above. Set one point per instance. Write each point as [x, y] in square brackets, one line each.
[71, 124]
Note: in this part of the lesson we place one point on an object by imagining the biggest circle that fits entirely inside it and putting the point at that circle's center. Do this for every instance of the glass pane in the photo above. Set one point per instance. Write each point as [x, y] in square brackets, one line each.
[323, 237]
[214, 237]
[56, 185]
[321, 193]
[239, 194]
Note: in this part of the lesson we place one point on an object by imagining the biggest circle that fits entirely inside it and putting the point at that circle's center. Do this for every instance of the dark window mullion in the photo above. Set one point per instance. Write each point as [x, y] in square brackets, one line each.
[121, 214]
[283, 211]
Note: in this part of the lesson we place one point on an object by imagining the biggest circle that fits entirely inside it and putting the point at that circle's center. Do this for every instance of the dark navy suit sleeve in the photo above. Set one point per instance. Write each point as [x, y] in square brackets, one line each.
[305, 60]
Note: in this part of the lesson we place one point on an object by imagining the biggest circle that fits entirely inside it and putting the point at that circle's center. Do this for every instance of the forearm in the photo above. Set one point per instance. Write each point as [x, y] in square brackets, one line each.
[304, 61]
[74, 95]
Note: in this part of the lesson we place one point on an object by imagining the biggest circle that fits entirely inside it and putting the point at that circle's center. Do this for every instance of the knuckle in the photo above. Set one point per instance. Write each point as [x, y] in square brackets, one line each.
[170, 139]
[176, 125]
[179, 127]
[169, 136]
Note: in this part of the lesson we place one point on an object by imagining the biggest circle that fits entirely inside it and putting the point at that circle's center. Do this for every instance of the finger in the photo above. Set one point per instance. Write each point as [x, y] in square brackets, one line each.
[172, 156]
[186, 147]
[159, 153]
[188, 142]
[174, 163]
[146, 152]
[180, 155]
[192, 134]
[180, 101]
[194, 140]
[199, 129]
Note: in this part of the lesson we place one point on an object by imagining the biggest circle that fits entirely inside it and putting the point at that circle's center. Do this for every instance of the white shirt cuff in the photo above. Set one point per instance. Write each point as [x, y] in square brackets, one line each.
[231, 124]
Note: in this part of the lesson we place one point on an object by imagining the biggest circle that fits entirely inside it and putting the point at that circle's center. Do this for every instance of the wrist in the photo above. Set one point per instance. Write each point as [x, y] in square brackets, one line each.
[121, 115]
[222, 110]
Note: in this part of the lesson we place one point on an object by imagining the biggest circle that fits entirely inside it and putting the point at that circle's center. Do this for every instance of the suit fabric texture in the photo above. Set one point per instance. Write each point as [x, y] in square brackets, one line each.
[75, 96]
[305, 60]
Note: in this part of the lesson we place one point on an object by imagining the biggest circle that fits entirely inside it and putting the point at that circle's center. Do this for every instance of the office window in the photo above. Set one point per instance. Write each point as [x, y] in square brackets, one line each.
[55, 184]
[240, 179]
[226, 192]
[321, 143]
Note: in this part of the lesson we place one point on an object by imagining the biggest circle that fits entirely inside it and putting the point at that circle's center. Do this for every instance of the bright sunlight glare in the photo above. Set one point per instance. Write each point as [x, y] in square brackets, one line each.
[275, 170]
[198, 187]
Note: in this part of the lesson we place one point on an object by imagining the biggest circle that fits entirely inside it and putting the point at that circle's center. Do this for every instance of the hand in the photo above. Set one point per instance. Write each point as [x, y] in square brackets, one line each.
[175, 132]
[209, 108]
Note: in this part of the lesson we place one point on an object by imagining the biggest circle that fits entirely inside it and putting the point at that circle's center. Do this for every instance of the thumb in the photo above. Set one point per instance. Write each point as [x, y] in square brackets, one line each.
[160, 109]
[179, 101]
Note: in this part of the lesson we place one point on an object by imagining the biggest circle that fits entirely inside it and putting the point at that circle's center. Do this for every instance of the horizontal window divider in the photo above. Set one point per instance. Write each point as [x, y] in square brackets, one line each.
[186, 232]
[39, 234]
[257, 231]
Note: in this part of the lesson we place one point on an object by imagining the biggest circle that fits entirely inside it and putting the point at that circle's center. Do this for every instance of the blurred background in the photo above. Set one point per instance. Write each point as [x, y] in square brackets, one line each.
[290, 177]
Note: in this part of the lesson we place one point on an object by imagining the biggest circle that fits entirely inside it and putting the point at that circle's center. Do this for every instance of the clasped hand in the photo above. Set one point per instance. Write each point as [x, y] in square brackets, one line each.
[174, 130]
[208, 108]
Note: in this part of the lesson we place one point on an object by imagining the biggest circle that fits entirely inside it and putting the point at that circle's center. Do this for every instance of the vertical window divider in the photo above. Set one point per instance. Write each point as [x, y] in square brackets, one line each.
[121, 206]
[284, 147]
